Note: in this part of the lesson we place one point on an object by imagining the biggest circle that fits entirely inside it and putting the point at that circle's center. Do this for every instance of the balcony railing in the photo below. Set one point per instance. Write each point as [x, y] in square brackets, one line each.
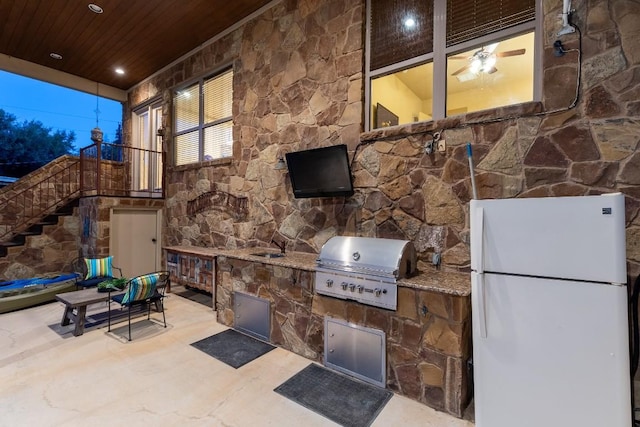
[117, 170]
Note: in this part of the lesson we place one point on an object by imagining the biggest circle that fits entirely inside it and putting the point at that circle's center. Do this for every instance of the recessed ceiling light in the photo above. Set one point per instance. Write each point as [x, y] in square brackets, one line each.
[119, 71]
[55, 55]
[95, 8]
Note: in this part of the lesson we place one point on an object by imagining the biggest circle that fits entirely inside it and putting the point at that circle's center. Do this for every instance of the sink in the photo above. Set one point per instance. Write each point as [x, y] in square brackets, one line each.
[269, 254]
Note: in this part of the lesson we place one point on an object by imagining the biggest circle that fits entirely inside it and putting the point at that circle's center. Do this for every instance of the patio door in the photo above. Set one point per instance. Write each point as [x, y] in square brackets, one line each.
[146, 164]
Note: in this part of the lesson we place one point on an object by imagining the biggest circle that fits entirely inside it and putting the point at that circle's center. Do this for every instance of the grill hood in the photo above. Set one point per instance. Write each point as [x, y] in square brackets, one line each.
[389, 258]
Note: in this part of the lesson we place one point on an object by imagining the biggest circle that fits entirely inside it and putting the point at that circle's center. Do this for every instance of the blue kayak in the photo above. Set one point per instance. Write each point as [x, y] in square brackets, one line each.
[23, 293]
[34, 281]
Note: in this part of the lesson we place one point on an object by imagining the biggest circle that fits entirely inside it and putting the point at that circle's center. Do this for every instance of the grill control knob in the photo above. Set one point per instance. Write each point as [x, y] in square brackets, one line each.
[352, 287]
[377, 291]
[360, 289]
[344, 285]
[329, 283]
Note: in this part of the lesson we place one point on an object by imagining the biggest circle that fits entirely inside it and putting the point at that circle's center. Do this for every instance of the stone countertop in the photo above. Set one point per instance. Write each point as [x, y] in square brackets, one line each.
[452, 283]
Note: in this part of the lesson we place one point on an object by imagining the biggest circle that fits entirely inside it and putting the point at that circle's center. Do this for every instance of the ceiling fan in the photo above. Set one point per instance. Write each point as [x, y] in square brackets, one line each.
[483, 60]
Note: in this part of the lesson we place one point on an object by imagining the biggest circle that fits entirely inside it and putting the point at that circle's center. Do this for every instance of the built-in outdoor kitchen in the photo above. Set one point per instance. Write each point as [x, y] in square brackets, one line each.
[410, 334]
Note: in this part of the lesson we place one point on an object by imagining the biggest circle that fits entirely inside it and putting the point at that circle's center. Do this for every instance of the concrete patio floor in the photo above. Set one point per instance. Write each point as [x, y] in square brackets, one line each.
[48, 377]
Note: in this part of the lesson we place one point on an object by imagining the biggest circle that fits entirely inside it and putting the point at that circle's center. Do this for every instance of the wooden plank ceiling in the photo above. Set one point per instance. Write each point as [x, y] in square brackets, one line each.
[140, 36]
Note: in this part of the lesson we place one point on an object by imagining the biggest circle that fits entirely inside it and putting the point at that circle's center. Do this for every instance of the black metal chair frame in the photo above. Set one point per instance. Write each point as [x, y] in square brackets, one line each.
[157, 298]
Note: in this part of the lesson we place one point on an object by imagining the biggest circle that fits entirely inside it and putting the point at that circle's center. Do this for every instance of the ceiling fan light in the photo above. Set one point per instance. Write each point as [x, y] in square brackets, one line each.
[476, 66]
[488, 64]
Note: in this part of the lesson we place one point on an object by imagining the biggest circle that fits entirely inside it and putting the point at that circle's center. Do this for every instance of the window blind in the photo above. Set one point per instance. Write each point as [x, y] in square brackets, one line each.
[186, 108]
[218, 97]
[187, 148]
[392, 40]
[470, 19]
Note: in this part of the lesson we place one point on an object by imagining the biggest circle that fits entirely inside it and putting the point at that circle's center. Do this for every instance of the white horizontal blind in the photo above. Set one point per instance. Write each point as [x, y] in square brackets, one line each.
[218, 141]
[187, 148]
[218, 97]
[186, 108]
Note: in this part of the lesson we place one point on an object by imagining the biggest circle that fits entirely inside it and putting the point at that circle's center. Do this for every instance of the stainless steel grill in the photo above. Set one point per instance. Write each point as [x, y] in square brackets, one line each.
[364, 269]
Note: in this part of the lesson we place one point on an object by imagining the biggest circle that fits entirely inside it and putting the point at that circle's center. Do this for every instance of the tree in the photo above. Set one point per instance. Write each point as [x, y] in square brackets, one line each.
[26, 146]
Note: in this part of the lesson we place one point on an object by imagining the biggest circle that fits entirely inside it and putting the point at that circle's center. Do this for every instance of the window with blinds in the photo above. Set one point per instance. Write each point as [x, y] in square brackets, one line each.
[431, 59]
[203, 120]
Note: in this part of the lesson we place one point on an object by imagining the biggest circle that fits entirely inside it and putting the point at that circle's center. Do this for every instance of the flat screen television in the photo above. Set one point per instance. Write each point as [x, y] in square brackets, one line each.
[320, 172]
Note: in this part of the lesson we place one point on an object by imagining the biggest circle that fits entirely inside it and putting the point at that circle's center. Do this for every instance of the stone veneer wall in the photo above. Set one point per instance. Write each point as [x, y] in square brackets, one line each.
[428, 337]
[52, 252]
[298, 84]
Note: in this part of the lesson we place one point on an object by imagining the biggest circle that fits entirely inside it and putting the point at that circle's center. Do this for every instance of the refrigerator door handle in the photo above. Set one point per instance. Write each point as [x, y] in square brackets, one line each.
[477, 247]
[482, 316]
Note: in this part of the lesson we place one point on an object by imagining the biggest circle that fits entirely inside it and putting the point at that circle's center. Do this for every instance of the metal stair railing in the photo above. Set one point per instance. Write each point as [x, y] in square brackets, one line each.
[26, 207]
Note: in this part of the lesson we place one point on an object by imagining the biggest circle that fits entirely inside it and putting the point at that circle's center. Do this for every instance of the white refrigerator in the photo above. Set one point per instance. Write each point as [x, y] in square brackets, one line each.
[549, 312]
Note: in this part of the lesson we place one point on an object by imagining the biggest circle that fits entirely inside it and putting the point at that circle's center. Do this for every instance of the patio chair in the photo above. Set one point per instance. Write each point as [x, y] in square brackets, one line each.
[92, 271]
[142, 290]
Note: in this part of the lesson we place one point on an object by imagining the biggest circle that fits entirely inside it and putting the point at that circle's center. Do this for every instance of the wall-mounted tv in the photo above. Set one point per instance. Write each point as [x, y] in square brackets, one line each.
[320, 172]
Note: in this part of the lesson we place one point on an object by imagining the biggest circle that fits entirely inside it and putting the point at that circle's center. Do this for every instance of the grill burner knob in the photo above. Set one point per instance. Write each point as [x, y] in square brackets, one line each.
[360, 289]
[329, 283]
[377, 291]
[344, 285]
[352, 287]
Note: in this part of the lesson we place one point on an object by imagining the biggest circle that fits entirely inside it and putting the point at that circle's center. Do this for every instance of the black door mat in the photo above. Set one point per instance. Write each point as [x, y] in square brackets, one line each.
[196, 295]
[345, 400]
[233, 348]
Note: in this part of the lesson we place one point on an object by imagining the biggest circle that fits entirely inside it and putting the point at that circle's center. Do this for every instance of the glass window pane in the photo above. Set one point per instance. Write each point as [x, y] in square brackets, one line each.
[402, 97]
[400, 30]
[218, 141]
[187, 148]
[186, 108]
[491, 76]
[218, 97]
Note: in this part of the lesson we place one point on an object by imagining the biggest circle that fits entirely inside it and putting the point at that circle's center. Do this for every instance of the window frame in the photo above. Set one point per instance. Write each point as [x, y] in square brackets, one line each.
[440, 53]
[202, 126]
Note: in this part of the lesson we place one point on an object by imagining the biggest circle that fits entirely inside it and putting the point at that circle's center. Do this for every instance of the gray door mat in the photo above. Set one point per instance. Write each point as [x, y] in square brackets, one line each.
[340, 398]
[233, 348]
[196, 295]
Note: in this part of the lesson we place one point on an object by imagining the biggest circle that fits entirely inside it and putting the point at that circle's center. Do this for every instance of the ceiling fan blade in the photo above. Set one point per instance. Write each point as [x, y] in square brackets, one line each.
[511, 53]
[461, 70]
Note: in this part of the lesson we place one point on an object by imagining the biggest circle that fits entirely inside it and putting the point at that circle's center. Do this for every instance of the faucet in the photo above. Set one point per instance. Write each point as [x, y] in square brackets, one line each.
[279, 245]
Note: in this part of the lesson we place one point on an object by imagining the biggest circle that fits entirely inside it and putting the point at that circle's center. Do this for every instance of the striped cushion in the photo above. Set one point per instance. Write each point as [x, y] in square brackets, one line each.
[141, 288]
[99, 267]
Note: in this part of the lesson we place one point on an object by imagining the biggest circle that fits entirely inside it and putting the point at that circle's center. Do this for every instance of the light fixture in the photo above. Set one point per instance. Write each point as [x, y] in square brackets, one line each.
[95, 8]
[55, 55]
[488, 63]
[409, 22]
[119, 71]
[280, 164]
